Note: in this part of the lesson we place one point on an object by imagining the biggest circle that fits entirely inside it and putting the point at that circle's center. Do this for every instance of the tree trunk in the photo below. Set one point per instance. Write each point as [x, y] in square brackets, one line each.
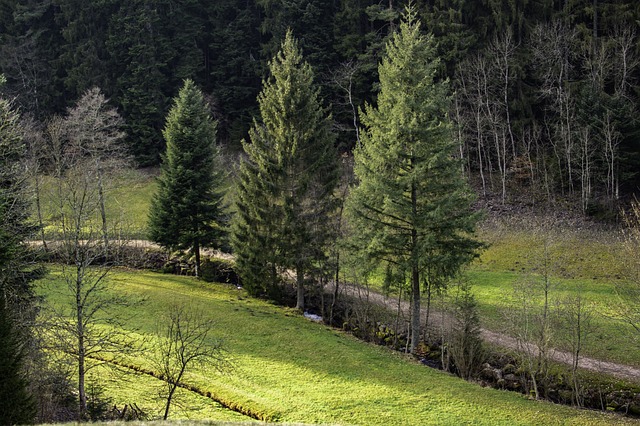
[103, 214]
[335, 288]
[39, 212]
[426, 319]
[415, 275]
[82, 396]
[173, 385]
[300, 288]
[399, 310]
[196, 252]
[415, 307]
[168, 404]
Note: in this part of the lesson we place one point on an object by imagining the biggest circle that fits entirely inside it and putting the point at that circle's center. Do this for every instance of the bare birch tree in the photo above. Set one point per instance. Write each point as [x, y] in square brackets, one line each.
[552, 45]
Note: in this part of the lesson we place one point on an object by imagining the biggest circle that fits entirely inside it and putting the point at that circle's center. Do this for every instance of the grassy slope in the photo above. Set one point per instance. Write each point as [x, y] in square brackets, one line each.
[586, 261]
[293, 370]
[589, 263]
[127, 202]
[131, 197]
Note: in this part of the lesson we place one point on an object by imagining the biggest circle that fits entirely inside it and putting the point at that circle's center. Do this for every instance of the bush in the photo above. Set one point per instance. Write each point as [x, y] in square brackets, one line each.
[219, 270]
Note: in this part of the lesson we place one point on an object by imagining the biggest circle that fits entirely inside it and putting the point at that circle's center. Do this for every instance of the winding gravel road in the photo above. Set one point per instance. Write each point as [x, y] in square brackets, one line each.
[620, 371]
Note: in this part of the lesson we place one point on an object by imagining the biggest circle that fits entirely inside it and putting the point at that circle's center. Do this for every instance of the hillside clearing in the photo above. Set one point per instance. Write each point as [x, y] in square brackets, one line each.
[293, 370]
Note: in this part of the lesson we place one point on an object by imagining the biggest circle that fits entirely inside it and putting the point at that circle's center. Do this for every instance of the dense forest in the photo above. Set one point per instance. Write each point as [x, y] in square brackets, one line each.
[545, 92]
[328, 146]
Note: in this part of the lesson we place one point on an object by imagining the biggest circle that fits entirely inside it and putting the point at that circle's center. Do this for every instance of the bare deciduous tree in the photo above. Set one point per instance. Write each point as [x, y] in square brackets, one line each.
[483, 107]
[94, 132]
[628, 289]
[575, 316]
[530, 317]
[552, 47]
[186, 342]
[83, 149]
[465, 341]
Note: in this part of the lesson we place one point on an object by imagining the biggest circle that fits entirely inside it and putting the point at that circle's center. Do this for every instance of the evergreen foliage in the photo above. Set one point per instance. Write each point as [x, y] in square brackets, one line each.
[133, 46]
[285, 194]
[83, 57]
[186, 211]
[411, 206]
[14, 211]
[29, 51]
[519, 67]
[16, 404]
[306, 18]
[16, 297]
[233, 65]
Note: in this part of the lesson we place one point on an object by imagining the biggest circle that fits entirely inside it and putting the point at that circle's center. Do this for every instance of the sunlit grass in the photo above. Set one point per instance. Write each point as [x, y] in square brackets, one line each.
[144, 390]
[589, 263]
[292, 370]
[128, 197]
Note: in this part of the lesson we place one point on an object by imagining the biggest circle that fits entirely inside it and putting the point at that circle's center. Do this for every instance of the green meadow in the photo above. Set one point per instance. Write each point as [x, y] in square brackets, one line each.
[289, 369]
[127, 203]
[590, 262]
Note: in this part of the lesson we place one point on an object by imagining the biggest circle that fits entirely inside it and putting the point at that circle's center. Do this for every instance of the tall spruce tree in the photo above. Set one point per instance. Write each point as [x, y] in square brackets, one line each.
[16, 404]
[16, 297]
[186, 211]
[285, 193]
[411, 206]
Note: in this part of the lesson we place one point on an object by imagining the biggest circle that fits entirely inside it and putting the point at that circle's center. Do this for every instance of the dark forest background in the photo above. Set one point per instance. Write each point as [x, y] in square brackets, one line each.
[545, 92]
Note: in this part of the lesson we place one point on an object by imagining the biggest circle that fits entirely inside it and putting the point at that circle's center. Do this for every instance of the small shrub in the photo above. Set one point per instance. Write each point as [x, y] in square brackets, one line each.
[218, 270]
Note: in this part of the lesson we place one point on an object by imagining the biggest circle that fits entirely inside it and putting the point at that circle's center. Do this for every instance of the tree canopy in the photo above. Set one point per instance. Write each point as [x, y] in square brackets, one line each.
[286, 184]
[16, 297]
[186, 211]
[528, 75]
[411, 206]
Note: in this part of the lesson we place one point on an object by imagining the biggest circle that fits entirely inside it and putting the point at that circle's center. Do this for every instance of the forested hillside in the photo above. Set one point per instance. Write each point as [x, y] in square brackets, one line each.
[335, 156]
[545, 91]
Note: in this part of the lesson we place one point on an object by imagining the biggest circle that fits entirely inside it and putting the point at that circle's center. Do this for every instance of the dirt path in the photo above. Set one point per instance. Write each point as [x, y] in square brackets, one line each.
[620, 371]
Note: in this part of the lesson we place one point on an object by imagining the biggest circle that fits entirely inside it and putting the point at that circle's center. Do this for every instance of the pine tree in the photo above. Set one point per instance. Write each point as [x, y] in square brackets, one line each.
[16, 297]
[138, 87]
[14, 211]
[29, 52]
[233, 65]
[411, 206]
[309, 19]
[286, 185]
[186, 211]
[83, 55]
[16, 404]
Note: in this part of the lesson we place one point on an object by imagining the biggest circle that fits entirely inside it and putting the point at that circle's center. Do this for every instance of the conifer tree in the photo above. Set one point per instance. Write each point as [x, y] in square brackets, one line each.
[411, 206]
[16, 404]
[186, 211]
[16, 296]
[134, 49]
[285, 193]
